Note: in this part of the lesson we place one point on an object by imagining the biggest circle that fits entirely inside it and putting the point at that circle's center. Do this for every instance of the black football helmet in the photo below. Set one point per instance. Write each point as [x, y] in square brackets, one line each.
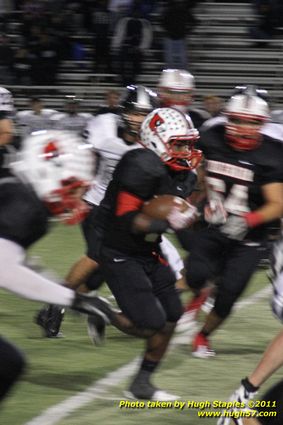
[137, 101]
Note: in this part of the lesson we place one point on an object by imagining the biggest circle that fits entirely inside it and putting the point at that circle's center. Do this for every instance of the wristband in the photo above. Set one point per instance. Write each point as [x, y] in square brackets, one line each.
[248, 386]
[253, 219]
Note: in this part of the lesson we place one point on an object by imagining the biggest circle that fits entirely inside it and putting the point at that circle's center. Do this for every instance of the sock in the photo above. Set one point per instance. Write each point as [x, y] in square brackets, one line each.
[146, 370]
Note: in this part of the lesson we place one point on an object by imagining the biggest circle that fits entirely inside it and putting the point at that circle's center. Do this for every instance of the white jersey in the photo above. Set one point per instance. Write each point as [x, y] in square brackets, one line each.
[273, 130]
[28, 121]
[102, 134]
[70, 122]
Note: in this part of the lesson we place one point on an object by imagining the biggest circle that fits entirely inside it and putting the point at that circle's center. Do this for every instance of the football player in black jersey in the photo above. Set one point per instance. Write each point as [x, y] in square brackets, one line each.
[50, 175]
[110, 136]
[244, 174]
[270, 362]
[176, 90]
[135, 271]
[6, 127]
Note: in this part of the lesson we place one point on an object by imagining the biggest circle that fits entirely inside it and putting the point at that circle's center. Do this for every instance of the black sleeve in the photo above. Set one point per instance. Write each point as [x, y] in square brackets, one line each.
[139, 173]
[272, 172]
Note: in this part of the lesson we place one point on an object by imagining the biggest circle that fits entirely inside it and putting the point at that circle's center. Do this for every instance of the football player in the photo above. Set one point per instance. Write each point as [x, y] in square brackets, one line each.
[270, 362]
[244, 189]
[35, 119]
[130, 256]
[6, 128]
[176, 90]
[110, 136]
[50, 176]
[71, 119]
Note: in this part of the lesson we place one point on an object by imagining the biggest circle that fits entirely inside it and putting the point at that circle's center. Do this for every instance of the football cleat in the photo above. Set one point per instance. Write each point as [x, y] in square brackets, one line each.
[94, 306]
[96, 329]
[201, 347]
[50, 319]
[147, 391]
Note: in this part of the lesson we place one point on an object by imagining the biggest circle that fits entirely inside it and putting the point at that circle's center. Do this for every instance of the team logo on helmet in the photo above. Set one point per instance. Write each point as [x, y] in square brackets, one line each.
[155, 122]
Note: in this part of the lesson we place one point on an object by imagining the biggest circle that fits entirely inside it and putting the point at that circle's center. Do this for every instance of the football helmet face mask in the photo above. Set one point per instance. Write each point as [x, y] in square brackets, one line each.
[135, 104]
[246, 113]
[171, 135]
[175, 89]
[59, 167]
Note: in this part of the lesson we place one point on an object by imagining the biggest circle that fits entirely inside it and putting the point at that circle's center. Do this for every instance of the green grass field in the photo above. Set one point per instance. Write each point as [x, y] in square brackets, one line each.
[59, 369]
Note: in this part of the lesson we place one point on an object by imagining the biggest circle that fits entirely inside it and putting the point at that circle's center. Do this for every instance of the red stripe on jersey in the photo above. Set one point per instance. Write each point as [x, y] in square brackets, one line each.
[127, 202]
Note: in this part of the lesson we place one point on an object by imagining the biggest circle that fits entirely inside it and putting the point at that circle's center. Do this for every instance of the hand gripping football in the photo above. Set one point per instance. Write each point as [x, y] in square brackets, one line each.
[160, 206]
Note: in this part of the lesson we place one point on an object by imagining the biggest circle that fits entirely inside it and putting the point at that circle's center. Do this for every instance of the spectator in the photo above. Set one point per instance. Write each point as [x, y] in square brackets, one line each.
[6, 59]
[119, 9]
[45, 62]
[213, 105]
[132, 36]
[22, 66]
[265, 23]
[174, 23]
[112, 103]
[101, 24]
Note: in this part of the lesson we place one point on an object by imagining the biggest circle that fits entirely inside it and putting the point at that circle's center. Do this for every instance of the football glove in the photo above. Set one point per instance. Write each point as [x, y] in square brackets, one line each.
[242, 395]
[179, 220]
[214, 212]
[235, 228]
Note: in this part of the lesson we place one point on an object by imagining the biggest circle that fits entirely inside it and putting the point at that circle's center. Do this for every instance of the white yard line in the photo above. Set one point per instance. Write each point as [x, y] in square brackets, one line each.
[100, 388]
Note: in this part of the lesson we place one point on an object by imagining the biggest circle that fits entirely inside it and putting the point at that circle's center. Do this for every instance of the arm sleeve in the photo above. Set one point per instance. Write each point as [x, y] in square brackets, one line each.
[19, 279]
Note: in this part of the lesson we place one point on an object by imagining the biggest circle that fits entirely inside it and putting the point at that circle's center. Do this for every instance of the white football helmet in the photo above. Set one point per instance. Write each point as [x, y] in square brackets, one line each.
[246, 112]
[171, 135]
[175, 88]
[59, 167]
[6, 100]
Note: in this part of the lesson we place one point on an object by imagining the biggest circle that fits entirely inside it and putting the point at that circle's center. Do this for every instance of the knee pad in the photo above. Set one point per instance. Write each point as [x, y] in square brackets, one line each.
[152, 320]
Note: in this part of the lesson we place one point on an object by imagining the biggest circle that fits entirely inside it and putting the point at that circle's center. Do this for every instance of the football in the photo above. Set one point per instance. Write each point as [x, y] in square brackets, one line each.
[160, 206]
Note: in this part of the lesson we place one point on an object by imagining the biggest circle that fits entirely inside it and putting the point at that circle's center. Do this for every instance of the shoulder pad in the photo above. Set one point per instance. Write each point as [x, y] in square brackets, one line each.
[139, 172]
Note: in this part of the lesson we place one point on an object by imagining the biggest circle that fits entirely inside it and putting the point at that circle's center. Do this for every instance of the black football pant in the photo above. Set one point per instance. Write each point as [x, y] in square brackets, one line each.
[144, 288]
[232, 262]
[12, 364]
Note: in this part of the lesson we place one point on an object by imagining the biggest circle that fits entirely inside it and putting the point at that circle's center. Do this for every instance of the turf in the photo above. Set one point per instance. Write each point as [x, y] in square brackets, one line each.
[60, 368]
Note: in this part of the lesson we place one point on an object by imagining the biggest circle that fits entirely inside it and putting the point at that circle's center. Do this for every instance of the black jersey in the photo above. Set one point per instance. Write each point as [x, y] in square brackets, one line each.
[23, 217]
[142, 174]
[237, 177]
[4, 171]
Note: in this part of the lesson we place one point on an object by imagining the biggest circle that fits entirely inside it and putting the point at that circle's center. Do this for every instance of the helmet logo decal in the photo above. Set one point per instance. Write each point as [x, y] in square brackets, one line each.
[155, 122]
[51, 150]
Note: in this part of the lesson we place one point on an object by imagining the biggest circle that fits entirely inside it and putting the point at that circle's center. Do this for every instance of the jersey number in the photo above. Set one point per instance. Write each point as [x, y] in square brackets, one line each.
[236, 202]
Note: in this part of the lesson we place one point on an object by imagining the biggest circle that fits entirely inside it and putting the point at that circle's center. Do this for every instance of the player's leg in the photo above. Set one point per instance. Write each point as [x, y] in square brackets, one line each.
[203, 264]
[142, 314]
[241, 262]
[163, 282]
[12, 364]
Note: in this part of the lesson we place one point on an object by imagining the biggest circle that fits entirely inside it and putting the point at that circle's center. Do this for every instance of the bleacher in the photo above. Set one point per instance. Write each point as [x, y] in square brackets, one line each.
[221, 55]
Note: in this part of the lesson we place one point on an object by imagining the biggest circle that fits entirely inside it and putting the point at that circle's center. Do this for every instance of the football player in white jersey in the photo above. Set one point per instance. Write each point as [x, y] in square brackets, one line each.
[35, 119]
[6, 129]
[111, 137]
[71, 119]
[6, 110]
